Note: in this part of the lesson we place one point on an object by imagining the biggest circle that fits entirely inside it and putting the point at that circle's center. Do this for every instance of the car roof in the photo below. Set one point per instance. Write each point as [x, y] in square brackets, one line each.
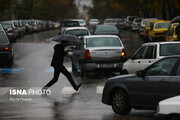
[152, 43]
[95, 36]
[73, 28]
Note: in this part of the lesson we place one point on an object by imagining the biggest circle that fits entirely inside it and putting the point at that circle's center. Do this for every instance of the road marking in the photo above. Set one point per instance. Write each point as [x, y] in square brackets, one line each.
[11, 70]
[68, 90]
[99, 89]
[4, 90]
[52, 69]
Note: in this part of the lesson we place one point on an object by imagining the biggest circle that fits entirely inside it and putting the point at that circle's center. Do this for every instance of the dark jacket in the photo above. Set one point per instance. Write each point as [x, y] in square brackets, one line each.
[58, 56]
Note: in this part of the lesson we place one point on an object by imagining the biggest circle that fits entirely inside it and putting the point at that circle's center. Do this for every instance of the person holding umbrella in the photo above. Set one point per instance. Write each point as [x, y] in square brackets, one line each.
[58, 58]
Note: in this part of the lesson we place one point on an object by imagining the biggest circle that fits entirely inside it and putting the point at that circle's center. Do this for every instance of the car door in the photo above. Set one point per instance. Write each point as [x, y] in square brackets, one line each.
[149, 57]
[147, 90]
[134, 63]
[174, 82]
[156, 80]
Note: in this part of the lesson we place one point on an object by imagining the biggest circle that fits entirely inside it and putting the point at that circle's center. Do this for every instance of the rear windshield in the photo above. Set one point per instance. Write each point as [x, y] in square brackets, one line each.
[3, 38]
[169, 49]
[103, 42]
[110, 21]
[107, 28]
[162, 25]
[70, 24]
[77, 32]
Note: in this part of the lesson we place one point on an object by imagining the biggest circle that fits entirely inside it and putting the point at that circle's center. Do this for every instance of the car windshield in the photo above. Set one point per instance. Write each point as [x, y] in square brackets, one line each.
[103, 42]
[109, 28]
[70, 24]
[110, 21]
[138, 20]
[3, 38]
[77, 32]
[93, 20]
[6, 25]
[169, 49]
[162, 25]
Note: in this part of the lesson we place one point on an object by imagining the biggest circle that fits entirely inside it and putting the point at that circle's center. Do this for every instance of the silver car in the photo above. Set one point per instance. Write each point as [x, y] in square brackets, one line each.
[99, 52]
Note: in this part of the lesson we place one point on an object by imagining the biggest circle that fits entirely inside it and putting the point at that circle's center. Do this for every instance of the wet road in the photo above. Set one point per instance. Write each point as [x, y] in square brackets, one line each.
[31, 70]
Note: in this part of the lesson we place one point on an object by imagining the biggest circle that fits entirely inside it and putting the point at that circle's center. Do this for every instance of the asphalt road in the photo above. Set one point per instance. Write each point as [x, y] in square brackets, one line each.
[31, 71]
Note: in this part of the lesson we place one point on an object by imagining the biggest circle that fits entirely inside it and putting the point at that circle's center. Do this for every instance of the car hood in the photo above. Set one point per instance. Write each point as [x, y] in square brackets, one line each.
[122, 78]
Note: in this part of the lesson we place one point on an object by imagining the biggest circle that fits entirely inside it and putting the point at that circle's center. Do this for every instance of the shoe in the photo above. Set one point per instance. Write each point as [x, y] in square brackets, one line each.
[77, 88]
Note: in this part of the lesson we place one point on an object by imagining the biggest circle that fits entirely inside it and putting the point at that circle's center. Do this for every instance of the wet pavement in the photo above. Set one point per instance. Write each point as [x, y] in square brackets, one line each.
[31, 70]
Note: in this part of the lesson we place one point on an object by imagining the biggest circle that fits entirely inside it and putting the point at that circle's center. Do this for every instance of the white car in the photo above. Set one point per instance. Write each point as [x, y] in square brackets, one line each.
[149, 53]
[82, 22]
[168, 109]
[136, 24]
[77, 31]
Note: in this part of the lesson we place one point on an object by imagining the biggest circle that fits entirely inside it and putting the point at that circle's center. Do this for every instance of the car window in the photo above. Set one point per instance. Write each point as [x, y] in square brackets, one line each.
[139, 54]
[169, 49]
[162, 68]
[103, 41]
[162, 25]
[150, 52]
[3, 38]
[178, 71]
[77, 32]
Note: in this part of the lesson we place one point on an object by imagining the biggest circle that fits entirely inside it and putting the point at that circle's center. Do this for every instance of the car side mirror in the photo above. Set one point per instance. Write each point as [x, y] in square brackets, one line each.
[140, 73]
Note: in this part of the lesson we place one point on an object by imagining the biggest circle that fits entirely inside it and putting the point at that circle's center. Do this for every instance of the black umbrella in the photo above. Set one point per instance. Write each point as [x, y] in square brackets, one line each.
[72, 39]
[176, 19]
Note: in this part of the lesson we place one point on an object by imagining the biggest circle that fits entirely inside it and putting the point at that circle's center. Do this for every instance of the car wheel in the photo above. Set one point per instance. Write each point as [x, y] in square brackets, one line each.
[120, 102]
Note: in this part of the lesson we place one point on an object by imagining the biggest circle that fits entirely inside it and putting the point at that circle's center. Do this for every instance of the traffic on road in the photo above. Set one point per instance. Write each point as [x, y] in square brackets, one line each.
[110, 68]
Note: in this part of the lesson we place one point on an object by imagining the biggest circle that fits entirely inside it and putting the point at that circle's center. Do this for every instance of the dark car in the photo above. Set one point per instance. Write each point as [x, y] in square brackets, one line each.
[6, 50]
[66, 24]
[144, 89]
[106, 30]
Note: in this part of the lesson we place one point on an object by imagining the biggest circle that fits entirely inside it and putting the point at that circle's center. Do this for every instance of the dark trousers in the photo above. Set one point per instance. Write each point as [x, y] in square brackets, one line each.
[64, 71]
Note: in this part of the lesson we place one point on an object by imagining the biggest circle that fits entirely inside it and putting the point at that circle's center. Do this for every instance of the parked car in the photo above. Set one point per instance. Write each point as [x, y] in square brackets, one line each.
[67, 23]
[149, 53]
[9, 26]
[99, 52]
[129, 20]
[144, 89]
[6, 49]
[168, 109]
[142, 26]
[92, 23]
[78, 31]
[28, 26]
[148, 27]
[136, 24]
[171, 35]
[158, 30]
[107, 30]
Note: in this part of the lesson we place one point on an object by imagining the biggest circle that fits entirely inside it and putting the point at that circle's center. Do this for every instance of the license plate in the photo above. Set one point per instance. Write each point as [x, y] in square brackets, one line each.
[105, 65]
